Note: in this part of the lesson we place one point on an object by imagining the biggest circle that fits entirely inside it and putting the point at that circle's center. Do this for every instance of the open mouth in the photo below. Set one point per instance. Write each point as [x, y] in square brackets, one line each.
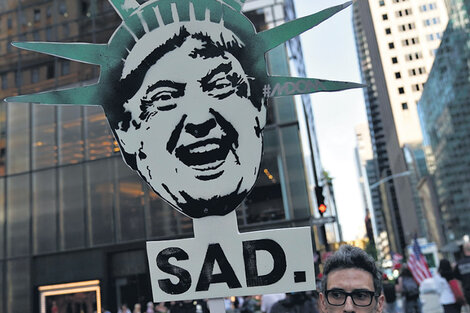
[205, 155]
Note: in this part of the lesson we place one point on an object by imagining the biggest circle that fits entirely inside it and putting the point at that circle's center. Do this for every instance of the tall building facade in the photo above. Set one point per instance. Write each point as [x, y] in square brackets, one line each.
[371, 196]
[445, 114]
[396, 42]
[70, 209]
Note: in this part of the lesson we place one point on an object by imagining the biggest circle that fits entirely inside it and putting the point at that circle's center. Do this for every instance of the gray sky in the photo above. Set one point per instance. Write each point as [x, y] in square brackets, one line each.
[330, 53]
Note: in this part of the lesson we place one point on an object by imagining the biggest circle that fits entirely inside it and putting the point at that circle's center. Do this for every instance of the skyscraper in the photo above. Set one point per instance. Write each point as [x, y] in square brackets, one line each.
[396, 43]
[445, 115]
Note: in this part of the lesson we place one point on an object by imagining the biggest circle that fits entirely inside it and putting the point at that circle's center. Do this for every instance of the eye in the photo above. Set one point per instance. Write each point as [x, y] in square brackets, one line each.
[336, 294]
[361, 295]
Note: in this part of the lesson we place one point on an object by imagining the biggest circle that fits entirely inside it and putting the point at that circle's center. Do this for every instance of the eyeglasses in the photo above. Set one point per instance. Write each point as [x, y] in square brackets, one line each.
[337, 297]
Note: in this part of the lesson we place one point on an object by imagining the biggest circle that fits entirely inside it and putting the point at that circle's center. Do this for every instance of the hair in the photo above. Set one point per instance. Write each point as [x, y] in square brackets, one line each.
[349, 257]
[124, 89]
[445, 269]
[405, 272]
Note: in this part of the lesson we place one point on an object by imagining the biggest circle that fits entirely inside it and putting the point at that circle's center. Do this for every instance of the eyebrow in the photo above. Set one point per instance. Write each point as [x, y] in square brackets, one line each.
[165, 83]
[221, 68]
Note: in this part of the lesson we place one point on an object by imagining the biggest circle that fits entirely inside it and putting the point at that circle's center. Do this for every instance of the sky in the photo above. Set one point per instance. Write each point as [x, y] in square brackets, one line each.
[330, 53]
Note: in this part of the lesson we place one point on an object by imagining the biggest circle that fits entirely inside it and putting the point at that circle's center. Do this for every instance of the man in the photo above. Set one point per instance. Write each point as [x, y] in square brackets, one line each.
[351, 283]
[462, 271]
[195, 133]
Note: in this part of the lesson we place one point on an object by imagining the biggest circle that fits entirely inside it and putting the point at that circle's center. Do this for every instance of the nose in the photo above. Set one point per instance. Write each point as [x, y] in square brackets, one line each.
[202, 129]
[349, 305]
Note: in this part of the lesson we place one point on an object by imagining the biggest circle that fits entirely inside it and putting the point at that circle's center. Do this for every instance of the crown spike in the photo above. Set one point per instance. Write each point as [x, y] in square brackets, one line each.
[273, 37]
[289, 86]
[86, 95]
[82, 52]
[124, 7]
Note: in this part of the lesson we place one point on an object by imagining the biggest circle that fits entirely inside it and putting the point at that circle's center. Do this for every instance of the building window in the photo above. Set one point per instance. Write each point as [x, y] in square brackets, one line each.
[9, 23]
[8, 45]
[49, 11]
[49, 33]
[401, 90]
[391, 45]
[65, 30]
[62, 8]
[65, 68]
[388, 31]
[416, 87]
[34, 75]
[404, 106]
[18, 79]
[381, 3]
[36, 35]
[37, 15]
[397, 75]
[50, 71]
[385, 17]
[4, 81]
[394, 60]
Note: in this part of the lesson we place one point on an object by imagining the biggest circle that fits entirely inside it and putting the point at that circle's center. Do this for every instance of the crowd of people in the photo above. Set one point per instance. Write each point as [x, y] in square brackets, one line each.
[350, 282]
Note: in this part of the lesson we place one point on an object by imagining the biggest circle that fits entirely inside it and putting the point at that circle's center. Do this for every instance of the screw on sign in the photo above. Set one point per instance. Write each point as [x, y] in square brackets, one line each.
[194, 133]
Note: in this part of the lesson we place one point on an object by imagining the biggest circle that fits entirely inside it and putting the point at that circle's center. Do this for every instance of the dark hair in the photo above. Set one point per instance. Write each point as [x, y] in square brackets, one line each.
[405, 272]
[352, 257]
[445, 269]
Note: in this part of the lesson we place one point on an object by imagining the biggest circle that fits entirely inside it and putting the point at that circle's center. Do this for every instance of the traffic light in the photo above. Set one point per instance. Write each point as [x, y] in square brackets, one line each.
[321, 206]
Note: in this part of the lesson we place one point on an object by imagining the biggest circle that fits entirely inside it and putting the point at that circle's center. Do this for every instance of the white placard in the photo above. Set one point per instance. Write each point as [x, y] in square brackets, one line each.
[221, 262]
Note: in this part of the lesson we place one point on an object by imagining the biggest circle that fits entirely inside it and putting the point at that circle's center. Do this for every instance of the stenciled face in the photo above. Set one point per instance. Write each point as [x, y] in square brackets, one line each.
[349, 280]
[195, 133]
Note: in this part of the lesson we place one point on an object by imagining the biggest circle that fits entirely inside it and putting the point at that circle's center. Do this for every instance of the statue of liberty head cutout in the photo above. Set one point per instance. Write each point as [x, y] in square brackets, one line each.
[184, 87]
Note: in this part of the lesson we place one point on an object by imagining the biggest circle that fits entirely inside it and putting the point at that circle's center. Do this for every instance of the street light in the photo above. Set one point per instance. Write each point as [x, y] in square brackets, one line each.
[386, 179]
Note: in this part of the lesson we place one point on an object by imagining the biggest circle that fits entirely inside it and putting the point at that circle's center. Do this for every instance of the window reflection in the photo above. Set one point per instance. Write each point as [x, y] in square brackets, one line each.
[265, 202]
[71, 149]
[18, 216]
[44, 136]
[18, 280]
[71, 207]
[18, 142]
[44, 211]
[101, 201]
[295, 172]
[131, 204]
[99, 140]
[163, 218]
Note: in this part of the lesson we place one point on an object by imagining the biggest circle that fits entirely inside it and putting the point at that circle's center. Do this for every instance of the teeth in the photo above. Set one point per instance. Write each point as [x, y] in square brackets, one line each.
[205, 148]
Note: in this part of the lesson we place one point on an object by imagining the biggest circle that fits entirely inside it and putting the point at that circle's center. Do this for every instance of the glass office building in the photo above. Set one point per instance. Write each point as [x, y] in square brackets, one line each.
[445, 115]
[70, 209]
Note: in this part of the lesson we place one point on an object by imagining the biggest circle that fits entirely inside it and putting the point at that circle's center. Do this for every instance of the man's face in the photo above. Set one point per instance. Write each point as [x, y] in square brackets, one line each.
[350, 280]
[195, 133]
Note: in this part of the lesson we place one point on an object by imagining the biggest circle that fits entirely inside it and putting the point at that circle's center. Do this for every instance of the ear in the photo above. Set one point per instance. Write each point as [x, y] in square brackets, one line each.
[322, 303]
[380, 303]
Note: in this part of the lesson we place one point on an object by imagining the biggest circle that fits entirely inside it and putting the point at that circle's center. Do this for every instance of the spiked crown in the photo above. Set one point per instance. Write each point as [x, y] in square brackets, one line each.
[139, 21]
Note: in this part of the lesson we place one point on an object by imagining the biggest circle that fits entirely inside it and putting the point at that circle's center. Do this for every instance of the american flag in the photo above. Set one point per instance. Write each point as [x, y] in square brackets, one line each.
[417, 264]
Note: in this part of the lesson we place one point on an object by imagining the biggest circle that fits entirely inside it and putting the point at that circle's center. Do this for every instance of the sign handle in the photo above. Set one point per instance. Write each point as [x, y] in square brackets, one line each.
[216, 305]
